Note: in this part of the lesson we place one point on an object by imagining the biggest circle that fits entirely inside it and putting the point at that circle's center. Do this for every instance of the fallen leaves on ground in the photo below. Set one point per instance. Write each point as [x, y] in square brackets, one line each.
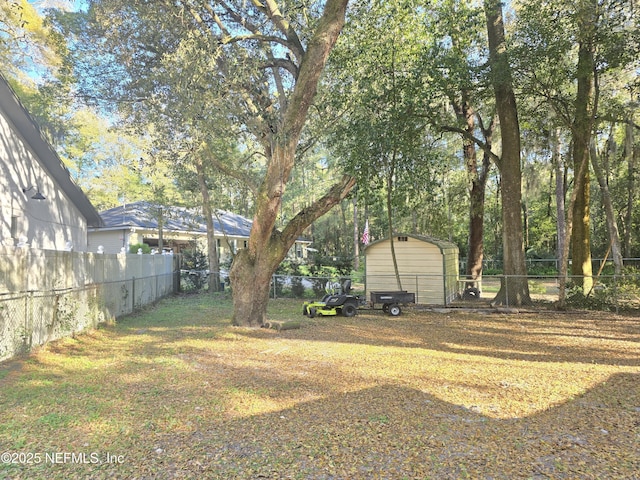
[176, 392]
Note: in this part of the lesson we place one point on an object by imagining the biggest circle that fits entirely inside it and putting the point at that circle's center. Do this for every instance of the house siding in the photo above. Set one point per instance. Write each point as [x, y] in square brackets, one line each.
[111, 241]
[47, 224]
[451, 267]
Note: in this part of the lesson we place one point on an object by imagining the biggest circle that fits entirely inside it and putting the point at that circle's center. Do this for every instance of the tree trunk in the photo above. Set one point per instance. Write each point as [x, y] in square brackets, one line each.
[475, 255]
[252, 267]
[477, 186]
[394, 259]
[582, 129]
[160, 230]
[561, 224]
[250, 298]
[525, 224]
[356, 238]
[631, 155]
[562, 275]
[514, 289]
[612, 225]
[212, 250]
[581, 267]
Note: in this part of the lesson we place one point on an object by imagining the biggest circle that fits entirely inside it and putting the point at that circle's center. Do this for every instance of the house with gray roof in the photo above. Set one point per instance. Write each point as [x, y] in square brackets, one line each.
[178, 227]
[41, 206]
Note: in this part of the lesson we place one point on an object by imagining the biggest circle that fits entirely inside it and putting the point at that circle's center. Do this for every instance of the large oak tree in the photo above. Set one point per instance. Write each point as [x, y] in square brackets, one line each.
[264, 62]
[457, 60]
[573, 57]
[515, 288]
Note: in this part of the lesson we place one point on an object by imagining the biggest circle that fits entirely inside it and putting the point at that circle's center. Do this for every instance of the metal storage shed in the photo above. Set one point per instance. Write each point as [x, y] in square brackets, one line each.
[428, 267]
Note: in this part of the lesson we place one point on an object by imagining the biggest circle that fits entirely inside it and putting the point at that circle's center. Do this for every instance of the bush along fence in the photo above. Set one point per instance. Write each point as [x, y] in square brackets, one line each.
[604, 292]
[46, 295]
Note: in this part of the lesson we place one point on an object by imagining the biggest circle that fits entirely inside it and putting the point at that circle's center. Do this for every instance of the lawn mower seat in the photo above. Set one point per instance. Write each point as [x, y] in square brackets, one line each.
[337, 299]
[333, 289]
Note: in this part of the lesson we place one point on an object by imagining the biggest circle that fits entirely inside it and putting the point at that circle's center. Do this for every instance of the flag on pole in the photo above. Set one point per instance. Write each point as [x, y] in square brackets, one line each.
[365, 234]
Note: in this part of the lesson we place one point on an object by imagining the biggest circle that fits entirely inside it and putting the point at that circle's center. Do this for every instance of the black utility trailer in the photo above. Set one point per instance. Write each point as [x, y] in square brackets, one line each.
[391, 300]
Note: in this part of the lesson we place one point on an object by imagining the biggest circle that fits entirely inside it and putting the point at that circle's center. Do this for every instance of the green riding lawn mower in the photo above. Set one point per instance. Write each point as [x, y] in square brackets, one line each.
[337, 301]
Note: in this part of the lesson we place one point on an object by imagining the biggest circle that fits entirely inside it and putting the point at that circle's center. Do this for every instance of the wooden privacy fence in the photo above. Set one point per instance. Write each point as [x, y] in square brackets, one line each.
[46, 295]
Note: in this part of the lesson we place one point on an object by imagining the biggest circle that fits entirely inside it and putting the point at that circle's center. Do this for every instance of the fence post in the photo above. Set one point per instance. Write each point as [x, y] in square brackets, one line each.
[27, 333]
[506, 289]
[615, 292]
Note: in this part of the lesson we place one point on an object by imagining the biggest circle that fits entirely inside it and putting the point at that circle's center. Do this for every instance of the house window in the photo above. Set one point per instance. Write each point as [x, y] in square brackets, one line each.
[219, 243]
[14, 227]
[403, 239]
[246, 243]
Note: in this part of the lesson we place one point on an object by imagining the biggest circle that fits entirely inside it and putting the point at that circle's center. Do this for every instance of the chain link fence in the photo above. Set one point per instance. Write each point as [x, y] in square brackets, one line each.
[34, 316]
[46, 295]
[605, 292]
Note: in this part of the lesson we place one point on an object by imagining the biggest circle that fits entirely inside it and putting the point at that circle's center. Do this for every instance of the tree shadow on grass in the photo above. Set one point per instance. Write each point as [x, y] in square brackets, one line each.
[614, 341]
[608, 340]
[381, 432]
[391, 431]
[581, 337]
[176, 404]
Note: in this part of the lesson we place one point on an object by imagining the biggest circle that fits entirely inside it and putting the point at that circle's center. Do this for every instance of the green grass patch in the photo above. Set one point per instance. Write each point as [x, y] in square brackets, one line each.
[175, 391]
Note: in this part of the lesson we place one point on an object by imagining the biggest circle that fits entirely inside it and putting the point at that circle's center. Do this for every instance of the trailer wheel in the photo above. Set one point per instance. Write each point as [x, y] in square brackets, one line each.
[349, 310]
[394, 310]
[385, 308]
[312, 312]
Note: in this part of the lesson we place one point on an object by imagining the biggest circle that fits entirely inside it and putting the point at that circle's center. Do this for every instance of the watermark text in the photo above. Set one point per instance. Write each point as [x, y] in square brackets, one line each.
[54, 458]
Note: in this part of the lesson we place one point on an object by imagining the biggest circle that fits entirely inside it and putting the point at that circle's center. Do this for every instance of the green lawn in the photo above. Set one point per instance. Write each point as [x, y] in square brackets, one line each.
[177, 392]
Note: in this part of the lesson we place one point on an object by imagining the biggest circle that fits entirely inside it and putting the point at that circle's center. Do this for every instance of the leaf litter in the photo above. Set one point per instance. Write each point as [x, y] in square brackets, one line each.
[425, 395]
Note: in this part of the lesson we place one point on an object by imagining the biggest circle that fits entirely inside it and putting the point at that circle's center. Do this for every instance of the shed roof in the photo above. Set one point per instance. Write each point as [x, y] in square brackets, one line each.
[44, 153]
[144, 215]
[442, 244]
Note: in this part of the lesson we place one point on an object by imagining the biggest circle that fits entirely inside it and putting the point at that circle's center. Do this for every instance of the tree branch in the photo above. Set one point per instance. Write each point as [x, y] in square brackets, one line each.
[271, 11]
[308, 215]
[283, 63]
[485, 148]
[231, 171]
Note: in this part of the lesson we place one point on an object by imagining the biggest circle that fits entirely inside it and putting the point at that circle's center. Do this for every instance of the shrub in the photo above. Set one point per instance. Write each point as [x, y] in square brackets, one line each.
[195, 266]
[290, 274]
[134, 248]
[297, 288]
